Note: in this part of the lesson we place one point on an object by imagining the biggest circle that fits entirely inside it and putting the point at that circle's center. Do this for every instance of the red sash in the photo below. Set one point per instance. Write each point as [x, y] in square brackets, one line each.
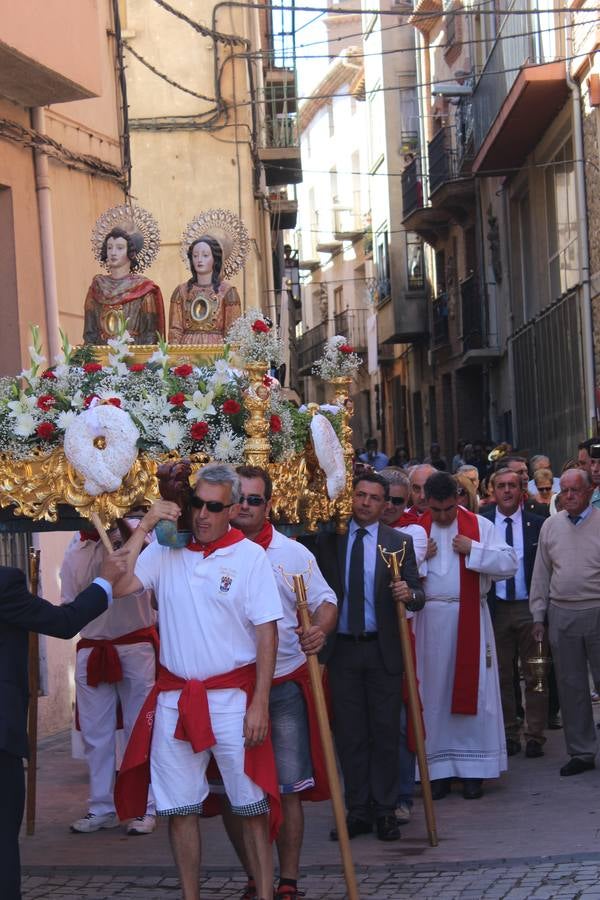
[104, 665]
[466, 672]
[194, 726]
[320, 791]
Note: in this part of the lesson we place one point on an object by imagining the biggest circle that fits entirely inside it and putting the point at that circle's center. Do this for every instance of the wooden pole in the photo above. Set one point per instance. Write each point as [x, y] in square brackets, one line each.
[34, 688]
[95, 519]
[414, 704]
[328, 751]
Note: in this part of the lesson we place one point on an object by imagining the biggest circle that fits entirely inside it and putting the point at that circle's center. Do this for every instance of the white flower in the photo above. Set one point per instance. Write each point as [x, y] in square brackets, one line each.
[36, 357]
[159, 357]
[24, 425]
[157, 405]
[228, 447]
[171, 434]
[77, 400]
[64, 419]
[61, 369]
[119, 367]
[200, 406]
[25, 404]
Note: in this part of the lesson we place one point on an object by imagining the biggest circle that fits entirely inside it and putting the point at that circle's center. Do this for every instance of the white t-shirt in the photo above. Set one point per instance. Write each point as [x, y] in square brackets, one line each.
[294, 559]
[81, 564]
[420, 541]
[208, 607]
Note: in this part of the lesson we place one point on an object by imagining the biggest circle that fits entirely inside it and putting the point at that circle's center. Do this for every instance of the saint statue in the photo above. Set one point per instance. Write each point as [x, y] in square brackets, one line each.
[215, 244]
[126, 241]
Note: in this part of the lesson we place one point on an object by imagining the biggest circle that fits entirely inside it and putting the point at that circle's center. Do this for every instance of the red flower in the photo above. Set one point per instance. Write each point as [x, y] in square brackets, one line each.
[198, 431]
[45, 402]
[231, 407]
[177, 399]
[88, 368]
[89, 399]
[49, 374]
[260, 327]
[114, 401]
[346, 348]
[137, 367]
[45, 430]
[267, 381]
[275, 423]
[183, 371]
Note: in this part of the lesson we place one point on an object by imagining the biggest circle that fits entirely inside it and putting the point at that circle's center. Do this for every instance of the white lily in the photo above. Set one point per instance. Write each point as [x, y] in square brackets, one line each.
[119, 367]
[77, 400]
[159, 357]
[25, 404]
[171, 434]
[36, 357]
[200, 406]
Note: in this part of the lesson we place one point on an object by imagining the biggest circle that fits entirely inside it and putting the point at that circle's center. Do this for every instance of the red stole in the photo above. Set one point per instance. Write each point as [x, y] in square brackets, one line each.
[104, 664]
[226, 540]
[466, 672]
[193, 725]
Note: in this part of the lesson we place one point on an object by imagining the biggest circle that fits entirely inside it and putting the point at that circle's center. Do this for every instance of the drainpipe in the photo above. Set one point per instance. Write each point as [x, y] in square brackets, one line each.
[584, 252]
[44, 203]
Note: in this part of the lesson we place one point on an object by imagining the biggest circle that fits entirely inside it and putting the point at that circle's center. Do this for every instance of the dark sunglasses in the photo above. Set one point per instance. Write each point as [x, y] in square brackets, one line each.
[213, 506]
[252, 500]
[461, 492]
[397, 501]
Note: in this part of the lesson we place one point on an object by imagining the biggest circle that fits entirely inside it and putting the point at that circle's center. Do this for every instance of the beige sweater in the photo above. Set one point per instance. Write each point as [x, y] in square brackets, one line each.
[567, 565]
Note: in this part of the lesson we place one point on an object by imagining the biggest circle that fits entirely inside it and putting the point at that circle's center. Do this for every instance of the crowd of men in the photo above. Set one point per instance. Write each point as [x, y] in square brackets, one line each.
[495, 568]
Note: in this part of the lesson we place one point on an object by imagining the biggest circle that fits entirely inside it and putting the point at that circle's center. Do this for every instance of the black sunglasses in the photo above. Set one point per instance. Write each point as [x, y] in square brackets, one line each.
[213, 506]
[252, 500]
[397, 501]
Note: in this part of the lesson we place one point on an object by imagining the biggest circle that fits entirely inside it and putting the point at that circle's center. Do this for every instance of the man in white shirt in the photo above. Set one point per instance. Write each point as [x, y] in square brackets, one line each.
[218, 639]
[295, 742]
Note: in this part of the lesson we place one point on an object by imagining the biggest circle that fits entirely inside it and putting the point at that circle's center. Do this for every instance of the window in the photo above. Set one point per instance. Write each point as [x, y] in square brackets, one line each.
[561, 222]
[338, 299]
[382, 266]
[414, 261]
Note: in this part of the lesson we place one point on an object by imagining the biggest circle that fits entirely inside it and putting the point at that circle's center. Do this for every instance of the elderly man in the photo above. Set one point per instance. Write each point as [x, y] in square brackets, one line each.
[512, 618]
[456, 654]
[566, 589]
[541, 461]
[218, 606]
[294, 731]
[395, 513]
[21, 612]
[364, 656]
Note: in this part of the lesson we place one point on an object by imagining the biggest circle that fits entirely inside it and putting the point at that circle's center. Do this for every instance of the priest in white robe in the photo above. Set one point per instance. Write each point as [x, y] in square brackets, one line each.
[456, 653]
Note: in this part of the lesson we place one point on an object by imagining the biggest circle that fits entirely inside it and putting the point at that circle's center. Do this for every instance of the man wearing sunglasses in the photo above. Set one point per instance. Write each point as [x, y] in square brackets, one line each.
[218, 606]
[294, 730]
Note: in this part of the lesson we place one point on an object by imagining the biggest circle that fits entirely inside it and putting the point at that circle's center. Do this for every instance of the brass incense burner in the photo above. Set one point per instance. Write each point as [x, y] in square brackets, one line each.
[539, 666]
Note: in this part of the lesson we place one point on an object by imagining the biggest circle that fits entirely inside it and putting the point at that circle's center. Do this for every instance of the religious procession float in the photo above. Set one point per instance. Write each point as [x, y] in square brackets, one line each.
[86, 434]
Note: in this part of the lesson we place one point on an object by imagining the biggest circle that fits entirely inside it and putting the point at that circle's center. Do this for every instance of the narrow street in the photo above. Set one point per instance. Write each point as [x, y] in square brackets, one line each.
[534, 834]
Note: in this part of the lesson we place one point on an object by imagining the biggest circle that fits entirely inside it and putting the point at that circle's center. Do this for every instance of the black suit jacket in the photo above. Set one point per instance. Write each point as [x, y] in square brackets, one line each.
[330, 550]
[20, 613]
[531, 533]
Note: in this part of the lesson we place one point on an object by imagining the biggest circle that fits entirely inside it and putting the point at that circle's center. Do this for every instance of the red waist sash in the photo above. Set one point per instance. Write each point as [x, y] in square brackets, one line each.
[194, 726]
[104, 665]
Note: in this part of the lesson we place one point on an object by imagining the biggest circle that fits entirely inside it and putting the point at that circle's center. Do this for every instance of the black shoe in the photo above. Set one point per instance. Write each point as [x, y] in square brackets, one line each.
[440, 788]
[472, 788]
[387, 828]
[554, 723]
[355, 827]
[512, 747]
[575, 766]
[533, 749]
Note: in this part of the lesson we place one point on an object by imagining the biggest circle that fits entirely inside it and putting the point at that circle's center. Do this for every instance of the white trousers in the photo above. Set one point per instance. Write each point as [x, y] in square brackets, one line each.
[97, 707]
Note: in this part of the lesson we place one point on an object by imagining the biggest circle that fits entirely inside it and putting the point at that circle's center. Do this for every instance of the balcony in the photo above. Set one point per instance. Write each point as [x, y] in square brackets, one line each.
[50, 52]
[475, 342]
[449, 188]
[439, 321]
[310, 347]
[284, 210]
[519, 92]
[352, 323]
[348, 225]
[280, 150]
[403, 319]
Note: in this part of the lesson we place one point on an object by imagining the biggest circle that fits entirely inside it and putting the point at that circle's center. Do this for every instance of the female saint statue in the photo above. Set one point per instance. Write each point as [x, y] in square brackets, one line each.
[125, 240]
[215, 244]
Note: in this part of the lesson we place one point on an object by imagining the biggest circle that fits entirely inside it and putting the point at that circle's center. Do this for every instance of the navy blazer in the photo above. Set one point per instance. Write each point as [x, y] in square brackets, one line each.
[20, 613]
[330, 551]
[531, 534]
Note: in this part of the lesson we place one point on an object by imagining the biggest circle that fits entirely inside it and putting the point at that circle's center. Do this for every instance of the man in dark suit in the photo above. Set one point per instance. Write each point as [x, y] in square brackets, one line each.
[509, 603]
[364, 657]
[21, 612]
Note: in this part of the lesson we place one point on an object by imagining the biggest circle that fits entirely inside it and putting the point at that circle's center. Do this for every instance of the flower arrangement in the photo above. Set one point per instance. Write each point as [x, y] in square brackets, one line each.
[184, 409]
[255, 339]
[339, 359]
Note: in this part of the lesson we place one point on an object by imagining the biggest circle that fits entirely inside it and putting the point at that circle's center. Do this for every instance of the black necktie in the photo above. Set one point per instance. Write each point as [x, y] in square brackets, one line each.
[510, 582]
[356, 584]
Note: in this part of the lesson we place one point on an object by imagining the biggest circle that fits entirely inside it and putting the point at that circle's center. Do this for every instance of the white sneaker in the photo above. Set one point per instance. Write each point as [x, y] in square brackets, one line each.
[403, 814]
[92, 822]
[141, 825]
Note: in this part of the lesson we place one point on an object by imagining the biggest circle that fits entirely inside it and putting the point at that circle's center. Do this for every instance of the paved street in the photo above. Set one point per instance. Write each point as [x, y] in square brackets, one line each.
[534, 834]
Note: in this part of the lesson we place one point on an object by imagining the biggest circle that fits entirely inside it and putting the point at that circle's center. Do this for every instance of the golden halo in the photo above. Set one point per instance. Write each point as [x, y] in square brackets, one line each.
[137, 222]
[228, 230]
